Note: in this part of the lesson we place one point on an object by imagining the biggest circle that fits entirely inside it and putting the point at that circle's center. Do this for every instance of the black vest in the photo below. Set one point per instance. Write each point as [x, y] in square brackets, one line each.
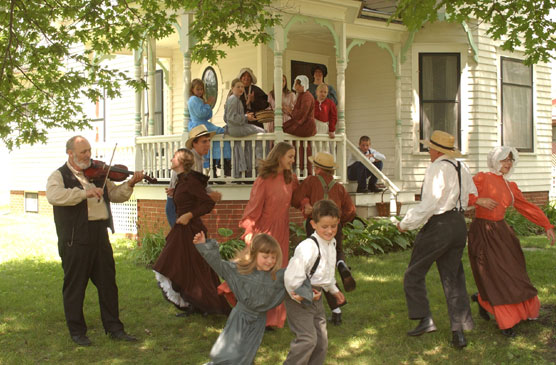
[72, 221]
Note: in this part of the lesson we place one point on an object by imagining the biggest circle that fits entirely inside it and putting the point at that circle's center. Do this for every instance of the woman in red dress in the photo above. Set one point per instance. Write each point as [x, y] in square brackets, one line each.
[495, 254]
[268, 211]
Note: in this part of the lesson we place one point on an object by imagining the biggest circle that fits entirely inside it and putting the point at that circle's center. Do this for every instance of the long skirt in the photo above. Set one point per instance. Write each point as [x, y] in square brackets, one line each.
[499, 269]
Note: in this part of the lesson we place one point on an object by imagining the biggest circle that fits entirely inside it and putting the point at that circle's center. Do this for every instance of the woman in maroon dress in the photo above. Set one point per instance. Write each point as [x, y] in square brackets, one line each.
[185, 278]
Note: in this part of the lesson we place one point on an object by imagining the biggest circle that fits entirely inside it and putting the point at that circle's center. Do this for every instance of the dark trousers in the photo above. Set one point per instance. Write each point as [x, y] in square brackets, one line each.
[90, 259]
[330, 299]
[171, 215]
[441, 240]
[358, 172]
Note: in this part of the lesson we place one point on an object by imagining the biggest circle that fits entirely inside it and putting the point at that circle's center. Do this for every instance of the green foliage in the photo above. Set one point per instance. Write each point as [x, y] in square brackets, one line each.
[517, 23]
[375, 236]
[297, 234]
[149, 250]
[44, 73]
[550, 210]
[521, 225]
[229, 248]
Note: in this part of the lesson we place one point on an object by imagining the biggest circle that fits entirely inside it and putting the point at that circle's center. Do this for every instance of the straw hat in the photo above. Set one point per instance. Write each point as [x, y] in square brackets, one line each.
[442, 142]
[196, 132]
[250, 72]
[323, 160]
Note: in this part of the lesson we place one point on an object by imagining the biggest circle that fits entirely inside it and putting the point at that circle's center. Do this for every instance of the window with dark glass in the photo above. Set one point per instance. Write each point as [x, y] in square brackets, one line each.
[158, 103]
[517, 104]
[439, 95]
[211, 85]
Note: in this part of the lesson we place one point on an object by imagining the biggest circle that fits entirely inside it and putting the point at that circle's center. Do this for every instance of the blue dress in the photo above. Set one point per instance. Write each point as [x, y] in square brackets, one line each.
[200, 113]
[256, 293]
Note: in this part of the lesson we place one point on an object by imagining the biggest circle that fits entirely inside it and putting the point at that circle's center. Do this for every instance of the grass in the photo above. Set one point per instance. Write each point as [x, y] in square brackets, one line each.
[33, 329]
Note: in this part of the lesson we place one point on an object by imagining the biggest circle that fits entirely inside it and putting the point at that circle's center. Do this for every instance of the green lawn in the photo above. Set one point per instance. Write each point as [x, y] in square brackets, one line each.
[33, 330]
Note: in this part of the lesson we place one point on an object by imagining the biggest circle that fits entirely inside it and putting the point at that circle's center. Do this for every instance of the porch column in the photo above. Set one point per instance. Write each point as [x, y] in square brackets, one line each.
[341, 64]
[398, 172]
[138, 61]
[151, 66]
[185, 45]
[278, 47]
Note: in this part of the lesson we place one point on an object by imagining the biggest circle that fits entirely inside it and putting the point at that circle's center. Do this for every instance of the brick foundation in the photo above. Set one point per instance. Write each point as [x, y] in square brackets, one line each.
[17, 203]
[226, 214]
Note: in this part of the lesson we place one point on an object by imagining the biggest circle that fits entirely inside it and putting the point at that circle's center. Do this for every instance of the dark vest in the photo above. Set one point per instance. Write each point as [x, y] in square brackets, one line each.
[72, 221]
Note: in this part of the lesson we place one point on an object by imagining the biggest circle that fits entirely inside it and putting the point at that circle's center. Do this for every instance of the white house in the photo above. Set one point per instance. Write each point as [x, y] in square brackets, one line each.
[393, 85]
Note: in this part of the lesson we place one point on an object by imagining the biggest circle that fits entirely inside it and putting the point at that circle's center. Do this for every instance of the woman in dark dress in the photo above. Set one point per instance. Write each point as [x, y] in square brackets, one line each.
[185, 278]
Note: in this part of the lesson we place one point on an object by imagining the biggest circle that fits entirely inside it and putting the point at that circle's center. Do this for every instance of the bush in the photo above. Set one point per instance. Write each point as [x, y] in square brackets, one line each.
[297, 234]
[229, 248]
[149, 250]
[375, 236]
[550, 210]
[521, 225]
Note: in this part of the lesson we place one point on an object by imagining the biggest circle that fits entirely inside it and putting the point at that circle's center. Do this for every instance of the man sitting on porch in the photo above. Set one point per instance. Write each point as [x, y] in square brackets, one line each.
[358, 172]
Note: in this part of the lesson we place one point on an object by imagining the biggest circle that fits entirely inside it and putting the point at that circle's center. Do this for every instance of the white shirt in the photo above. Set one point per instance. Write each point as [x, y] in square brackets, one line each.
[302, 262]
[376, 156]
[440, 192]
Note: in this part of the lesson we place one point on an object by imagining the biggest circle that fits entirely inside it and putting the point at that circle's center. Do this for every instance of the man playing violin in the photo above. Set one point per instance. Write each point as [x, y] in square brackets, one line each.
[82, 215]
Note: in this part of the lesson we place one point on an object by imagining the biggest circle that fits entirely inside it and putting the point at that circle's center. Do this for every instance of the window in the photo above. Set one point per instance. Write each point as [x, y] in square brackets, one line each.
[31, 202]
[97, 113]
[158, 103]
[211, 85]
[439, 95]
[517, 104]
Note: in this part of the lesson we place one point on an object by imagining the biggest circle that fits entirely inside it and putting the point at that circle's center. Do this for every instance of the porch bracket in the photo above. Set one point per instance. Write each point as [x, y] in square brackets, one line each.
[471, 41]
[386, 47]
[330, 26]
[354, 42]
[295, 19]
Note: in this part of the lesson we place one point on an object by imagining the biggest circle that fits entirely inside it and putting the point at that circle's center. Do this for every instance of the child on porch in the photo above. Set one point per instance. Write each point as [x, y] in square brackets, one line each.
[322, 186]
[258, 284]
[237, 126]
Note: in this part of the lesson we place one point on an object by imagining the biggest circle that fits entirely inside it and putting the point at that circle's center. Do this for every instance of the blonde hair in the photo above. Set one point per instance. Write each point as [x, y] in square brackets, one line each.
[322, 86]
[235, 81]
[194, 84]
[269, 166]
[246, 259]
[186, 159]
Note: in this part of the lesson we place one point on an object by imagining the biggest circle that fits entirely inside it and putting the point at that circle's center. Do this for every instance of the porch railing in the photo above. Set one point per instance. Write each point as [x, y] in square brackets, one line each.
[153, 154]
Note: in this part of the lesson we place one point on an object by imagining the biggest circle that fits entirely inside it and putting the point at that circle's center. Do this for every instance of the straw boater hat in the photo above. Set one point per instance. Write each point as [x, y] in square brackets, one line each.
[196, 132]
[250, 72]
[442, 142]
[323, 160]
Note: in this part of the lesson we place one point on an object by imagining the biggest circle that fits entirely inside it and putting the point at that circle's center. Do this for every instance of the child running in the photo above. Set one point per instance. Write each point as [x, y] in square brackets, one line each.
[311, 270]
[258, 284]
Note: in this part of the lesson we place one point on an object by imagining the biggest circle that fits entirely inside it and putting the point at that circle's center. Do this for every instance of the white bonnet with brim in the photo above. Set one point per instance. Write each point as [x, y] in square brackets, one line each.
[304, 81]
[250, 72]
[498, 154]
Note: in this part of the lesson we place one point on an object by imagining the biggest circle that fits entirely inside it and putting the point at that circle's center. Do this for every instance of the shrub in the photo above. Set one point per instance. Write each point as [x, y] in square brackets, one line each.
[149, 250]
[521, 225]
[375, 236]
[550, 210]
[229, 248]
[297, 234]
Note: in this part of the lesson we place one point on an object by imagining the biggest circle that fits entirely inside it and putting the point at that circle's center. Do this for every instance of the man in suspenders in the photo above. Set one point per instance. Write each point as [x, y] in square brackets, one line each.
[445, 191]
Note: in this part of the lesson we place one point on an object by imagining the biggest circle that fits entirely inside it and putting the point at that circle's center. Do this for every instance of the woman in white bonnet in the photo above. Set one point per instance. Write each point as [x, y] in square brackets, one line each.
[495, 254]
[254, 99]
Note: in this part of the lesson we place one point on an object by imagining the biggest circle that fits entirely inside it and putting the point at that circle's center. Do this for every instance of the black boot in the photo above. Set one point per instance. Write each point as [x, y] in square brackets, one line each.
[482, 312]
[509, 332]
[336, 319]
[426, 325]
[458, 339]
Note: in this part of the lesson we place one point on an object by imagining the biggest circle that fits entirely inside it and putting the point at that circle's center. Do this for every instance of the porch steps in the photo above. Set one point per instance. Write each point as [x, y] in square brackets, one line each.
[365, 204]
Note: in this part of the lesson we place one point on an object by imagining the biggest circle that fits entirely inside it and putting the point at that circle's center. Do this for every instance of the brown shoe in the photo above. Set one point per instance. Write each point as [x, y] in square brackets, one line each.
[347, 279]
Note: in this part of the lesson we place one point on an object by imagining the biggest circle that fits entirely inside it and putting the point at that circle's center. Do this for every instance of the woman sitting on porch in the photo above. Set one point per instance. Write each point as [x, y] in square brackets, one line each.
[288, 102]
[200, 112]
[236, 123]
[253, 98]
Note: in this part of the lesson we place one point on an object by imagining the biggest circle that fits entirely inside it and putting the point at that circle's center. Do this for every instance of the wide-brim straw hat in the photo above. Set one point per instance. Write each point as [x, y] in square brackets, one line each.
[250, 72]
[323, 160]
[442, 142]
[196, 132]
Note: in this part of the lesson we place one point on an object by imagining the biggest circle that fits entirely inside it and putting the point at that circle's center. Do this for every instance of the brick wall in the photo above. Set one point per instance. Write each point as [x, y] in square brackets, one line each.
[226, 214]
[17, 203]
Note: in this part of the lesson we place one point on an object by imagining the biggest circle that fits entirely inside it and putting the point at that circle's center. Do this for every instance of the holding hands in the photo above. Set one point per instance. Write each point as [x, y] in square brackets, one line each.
[199, 238]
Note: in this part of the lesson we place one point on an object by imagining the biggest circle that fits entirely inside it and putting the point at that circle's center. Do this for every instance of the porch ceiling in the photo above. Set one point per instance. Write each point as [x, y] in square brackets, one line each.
[378, 9]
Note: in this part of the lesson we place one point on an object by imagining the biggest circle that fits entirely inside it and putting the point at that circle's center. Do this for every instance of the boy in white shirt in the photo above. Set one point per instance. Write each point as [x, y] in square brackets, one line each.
[311, 270]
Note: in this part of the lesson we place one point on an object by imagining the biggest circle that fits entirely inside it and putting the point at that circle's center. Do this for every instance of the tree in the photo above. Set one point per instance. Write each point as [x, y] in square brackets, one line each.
[43, 73]
[515, 23]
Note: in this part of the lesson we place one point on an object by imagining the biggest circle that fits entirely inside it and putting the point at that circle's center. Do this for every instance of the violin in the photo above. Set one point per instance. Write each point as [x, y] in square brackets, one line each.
[98, 171]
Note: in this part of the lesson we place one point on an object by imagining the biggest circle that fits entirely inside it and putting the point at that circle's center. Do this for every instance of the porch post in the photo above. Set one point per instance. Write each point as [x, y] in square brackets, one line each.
[185, 45]
[278, 47]
[398, 172]
[138, 61]
[341, 84]
[151, 65]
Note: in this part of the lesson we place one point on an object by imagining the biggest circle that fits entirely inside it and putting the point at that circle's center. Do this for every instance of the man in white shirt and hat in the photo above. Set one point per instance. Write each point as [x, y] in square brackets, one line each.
[445, 192]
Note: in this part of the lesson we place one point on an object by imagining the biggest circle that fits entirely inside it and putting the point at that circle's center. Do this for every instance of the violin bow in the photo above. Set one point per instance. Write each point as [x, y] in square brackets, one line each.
[109, 167]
